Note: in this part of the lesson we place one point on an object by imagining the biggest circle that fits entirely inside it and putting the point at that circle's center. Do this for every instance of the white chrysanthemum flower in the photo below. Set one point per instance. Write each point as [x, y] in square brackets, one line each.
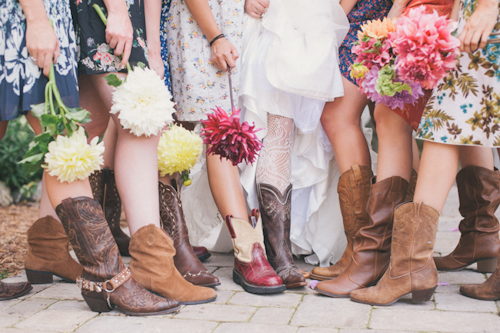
[143, 102]
[73, 158]
[178, 150]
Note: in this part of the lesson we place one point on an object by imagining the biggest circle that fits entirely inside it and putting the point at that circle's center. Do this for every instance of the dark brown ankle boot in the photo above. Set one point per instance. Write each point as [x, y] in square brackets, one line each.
[105, 281]
[172, 219]
[48, 253]
[275, 209]
[372, 243]
[412, 269]
[353, 190]
[479, 193]
[104, 190]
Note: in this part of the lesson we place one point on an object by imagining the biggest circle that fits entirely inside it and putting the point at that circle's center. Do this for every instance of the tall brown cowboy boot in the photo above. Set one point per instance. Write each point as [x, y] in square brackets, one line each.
[489, 290]
[372, 243]
[48, 253]
[105, 281]
[104, 190]
[479, 193]
[411, 186]
[13, 290]
[152, 265]
[275, 209]
[172, 220]
[252, 271]
[412, 269]
[353, 190]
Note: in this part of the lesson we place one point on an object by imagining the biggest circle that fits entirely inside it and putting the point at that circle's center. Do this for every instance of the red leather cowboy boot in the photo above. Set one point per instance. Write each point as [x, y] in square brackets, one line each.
[252, 271]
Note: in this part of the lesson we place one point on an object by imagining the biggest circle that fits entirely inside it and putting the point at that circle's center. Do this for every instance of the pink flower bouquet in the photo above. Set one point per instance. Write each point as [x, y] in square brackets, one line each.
[229, 138]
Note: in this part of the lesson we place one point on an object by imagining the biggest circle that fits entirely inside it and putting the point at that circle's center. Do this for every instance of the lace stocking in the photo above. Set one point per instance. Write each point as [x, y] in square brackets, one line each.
[275, 162]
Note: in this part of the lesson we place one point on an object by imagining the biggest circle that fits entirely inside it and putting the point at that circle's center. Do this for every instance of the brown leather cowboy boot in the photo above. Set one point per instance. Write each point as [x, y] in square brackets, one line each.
[13, 290]
[412, 269]
[105, 281]
[372, 243]
[275, 209]
[252, 271]
[104, 190]
[172, 220]
[201, 252]
[353, 190]
[411, 186]
[48, 253]
[489, 290]
[479, 193]
[152, 265]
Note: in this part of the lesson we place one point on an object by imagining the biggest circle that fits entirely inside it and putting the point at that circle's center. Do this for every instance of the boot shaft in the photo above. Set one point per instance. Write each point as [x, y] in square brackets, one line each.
[171, 214]
[92, 241]
[353, 189]
[245, 235]
[104, 189]
[479, 195]
[47, 239]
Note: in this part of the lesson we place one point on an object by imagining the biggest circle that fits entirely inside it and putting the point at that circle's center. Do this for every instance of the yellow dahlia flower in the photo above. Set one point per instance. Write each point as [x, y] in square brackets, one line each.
[72, 158]
[178, 150]
[144, 102]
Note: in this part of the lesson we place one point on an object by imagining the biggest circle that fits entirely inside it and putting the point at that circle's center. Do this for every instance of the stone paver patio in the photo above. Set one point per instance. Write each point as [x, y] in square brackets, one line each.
[59, 307]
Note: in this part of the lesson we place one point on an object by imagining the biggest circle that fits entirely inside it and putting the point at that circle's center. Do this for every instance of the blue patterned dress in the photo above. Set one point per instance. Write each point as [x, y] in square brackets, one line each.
[363, 11]
[22, 82]
[163, 39]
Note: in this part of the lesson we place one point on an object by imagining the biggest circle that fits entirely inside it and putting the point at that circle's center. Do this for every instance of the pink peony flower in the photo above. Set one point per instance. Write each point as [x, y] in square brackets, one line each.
[424, 46]
[398, 100]
[369, 54]
[229, 138]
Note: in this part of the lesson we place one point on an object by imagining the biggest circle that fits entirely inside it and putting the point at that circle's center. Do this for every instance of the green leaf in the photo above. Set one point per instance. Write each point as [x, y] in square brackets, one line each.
[141, 65]
[37, 110]
[50, 122]
[79, 115]
[113, 80]
[32, 163]
[44, 137]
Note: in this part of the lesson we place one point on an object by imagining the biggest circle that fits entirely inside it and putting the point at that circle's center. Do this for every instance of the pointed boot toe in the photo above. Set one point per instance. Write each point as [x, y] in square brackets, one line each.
[14, 290]
[203, 279]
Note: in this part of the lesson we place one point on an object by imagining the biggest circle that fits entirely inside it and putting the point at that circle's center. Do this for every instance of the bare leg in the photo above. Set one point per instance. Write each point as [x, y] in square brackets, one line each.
[479, 156]
[394, 144]
[136, 162]
[438, 169]
[224, 180]
[341, 121]
[3, 128]
[59, 191]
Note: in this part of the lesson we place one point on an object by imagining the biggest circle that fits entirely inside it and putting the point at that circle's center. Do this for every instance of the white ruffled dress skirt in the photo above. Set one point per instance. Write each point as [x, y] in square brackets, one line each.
[290, 68]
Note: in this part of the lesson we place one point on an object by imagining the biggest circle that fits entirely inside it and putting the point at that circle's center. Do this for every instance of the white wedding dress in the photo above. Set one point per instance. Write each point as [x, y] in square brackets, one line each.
[289, 68]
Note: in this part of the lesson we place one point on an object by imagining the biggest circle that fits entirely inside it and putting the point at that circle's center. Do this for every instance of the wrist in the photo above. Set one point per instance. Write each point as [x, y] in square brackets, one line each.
[216, 39]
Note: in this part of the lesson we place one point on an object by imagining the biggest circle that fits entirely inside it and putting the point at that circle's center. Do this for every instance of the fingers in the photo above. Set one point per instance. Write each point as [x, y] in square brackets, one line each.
[484, 39]
[120, 47]
[234, 52]
[126, 53]
[57, 52]
[46, 63]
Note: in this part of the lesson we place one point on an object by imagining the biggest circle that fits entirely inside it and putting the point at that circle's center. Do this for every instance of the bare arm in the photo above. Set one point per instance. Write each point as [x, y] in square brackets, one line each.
[348, 5]
[223, 53]
[152, 11]
[41, 40]
[454, 11]
[479, 26]
[119, 31]
[398, 7]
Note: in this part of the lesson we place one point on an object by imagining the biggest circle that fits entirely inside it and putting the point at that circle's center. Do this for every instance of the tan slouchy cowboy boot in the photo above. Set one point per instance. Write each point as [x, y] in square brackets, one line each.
[489, 290]
[252, 271]
[172, 220]
[479, 193]
[104, 190]
[372, 244]
[152, 265]
[353, 190]
[275, 209]
[412, 269]
[105, 281]
[48, 253]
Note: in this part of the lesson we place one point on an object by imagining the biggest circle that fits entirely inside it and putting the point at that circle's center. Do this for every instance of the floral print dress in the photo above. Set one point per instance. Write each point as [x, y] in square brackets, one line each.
[22, 82]
[95, 56]
[197, 84]
[464, 108]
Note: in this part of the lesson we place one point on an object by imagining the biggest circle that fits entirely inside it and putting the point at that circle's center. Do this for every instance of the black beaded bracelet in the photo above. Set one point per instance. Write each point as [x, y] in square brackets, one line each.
[217, 37]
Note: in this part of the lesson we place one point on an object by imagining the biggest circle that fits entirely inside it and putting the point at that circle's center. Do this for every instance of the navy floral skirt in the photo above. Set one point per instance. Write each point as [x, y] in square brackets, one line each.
[95, 56]
[363, 11]
[22, 82]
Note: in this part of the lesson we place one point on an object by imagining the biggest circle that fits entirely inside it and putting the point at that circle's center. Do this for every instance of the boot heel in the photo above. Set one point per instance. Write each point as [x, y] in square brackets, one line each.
[487, 265]
[95, 302]
[38, 277]
[422, 296]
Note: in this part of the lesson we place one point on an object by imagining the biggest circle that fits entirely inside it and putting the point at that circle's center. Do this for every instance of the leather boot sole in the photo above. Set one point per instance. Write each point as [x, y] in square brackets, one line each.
[331, 294]
[238, 279]
[203, 301]
[417, 297]
[296, 285]
[17, 295]
[41, 277]
[204, 257]
[485, 265]
[211, 285]
[321, 277]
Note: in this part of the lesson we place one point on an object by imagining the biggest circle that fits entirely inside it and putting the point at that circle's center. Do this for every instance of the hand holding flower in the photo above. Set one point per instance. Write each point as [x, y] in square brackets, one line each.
[224, 54]
[479, 26]
[119, 31]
